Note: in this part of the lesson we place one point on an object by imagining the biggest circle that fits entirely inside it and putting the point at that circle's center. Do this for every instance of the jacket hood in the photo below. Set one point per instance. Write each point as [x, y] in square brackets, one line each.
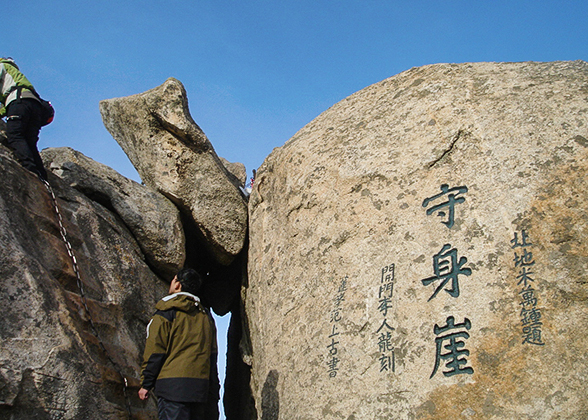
[183, 301]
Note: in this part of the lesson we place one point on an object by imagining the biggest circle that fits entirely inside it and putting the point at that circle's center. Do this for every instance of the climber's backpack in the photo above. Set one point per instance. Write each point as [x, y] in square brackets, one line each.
[48, 112]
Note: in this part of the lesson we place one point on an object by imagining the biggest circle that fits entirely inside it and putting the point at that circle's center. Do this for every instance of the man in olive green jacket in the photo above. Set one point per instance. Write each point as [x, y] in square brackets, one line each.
[181, 340]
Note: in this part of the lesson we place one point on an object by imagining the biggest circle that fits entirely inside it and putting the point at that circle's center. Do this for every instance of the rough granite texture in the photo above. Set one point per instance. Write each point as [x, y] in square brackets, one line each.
[173, 156]
[52, 366]
[355, 268]
[152, 219]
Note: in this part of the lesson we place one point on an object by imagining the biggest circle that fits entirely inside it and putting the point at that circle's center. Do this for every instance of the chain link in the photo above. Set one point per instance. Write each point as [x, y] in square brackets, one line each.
[76, 270]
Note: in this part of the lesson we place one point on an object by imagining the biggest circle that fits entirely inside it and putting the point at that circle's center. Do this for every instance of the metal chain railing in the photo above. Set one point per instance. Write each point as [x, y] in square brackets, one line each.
[76, 270]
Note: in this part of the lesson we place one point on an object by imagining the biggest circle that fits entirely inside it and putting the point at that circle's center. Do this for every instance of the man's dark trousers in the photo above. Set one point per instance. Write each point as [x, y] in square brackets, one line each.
[172, 410]
[23, 124]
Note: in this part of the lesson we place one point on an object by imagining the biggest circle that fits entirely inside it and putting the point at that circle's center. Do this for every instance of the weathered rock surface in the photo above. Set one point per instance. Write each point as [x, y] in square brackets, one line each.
[237, 169]
[51, 364]
[419, 251]
[3, 133]
[152, 219]
[172, 155]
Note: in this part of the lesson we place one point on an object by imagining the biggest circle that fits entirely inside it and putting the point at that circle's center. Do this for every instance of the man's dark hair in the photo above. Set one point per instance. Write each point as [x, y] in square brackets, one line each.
[190, 280]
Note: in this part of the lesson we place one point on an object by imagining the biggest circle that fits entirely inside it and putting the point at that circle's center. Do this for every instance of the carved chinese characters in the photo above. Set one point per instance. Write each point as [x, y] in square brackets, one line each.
[447, 268]
[530, 313]
[420, 250]
[335, 318]
[384, 331]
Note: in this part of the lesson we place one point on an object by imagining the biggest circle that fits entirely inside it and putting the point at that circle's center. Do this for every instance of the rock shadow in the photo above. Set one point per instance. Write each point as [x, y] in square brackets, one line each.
[270, 397]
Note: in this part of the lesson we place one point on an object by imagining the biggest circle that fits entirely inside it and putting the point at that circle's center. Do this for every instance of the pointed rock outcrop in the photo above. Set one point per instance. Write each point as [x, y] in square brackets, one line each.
[173, 155]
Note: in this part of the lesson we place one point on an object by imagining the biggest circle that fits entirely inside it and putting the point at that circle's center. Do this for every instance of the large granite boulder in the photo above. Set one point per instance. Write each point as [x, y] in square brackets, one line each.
[173, 155]
[61, 358]
[152, 219]
[420, 249]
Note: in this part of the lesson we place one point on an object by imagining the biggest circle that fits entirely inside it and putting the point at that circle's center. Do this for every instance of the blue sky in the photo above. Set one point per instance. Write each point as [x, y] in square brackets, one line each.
[258, 71]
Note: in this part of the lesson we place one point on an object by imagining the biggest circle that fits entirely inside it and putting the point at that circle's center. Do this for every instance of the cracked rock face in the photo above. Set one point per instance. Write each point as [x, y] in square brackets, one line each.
[152, 219]
[419, 251]
[173, 155]
[51, 363]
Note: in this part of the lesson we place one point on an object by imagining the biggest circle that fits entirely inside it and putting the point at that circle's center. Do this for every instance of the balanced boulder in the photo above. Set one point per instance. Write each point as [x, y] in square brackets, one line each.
[173, 155]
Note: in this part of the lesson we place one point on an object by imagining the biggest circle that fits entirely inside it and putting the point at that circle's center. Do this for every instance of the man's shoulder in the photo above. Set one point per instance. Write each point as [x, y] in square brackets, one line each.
[181, 301]
[168, 314]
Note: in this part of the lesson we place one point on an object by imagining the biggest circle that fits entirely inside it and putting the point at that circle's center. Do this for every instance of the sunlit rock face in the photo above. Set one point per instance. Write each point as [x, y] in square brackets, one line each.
[53, 364]
[152, 219]
[174, 156]
[419, 251]
[70, 345]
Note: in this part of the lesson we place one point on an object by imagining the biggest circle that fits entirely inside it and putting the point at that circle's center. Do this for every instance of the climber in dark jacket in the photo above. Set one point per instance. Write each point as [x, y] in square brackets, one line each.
[181, 341]
[24, 116]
